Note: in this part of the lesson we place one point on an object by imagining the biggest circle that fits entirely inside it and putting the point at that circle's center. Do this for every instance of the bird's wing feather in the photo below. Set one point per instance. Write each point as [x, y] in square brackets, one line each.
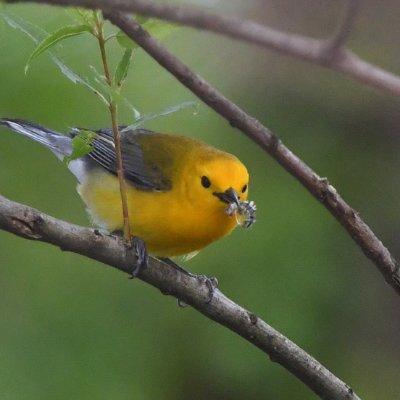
[142, 173]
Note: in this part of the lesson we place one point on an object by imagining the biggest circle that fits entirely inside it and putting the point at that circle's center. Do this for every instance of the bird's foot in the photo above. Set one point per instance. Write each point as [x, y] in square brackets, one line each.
[139, 247]
[211, 283]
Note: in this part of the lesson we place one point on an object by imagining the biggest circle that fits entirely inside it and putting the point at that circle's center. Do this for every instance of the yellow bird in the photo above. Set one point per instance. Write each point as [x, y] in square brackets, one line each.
[182, 194]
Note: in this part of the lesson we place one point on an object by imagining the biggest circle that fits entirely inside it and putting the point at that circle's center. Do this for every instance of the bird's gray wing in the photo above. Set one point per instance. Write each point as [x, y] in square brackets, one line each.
[138, 171]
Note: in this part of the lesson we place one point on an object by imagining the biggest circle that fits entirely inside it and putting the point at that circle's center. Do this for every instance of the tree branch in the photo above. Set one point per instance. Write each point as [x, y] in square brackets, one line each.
[342, 34]
[32, 224]
[317, 186]
[302, 47]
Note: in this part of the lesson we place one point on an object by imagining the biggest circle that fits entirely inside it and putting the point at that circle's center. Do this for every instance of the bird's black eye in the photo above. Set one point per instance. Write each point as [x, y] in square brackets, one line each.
[244, 188]
[205, 182]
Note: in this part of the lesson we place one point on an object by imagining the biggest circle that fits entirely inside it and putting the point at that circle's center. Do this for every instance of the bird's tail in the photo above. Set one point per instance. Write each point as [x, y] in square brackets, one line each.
[56, 142]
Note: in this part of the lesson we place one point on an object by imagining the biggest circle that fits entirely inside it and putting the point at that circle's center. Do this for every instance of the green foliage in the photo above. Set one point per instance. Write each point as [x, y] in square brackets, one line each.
[81, 145]
[84, 16]
[38, 34]
[121, 71]
[76, 78]
[170, 110]
[92, 22]
[141, 19]
[56, 37]
[125, 41]
[32, 31]
[156, 28]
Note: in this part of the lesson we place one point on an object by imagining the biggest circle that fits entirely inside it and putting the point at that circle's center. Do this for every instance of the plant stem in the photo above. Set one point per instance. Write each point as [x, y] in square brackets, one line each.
[120, 169]
[113, 108]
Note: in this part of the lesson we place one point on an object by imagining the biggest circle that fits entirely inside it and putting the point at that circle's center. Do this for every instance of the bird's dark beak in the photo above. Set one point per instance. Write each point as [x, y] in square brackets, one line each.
[229, 196]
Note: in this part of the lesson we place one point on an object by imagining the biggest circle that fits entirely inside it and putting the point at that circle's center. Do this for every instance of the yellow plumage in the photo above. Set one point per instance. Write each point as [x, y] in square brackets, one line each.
[183, 219]
[182, 194]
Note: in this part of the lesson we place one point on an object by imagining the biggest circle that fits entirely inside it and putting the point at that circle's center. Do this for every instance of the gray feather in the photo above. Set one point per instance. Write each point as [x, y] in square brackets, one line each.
[56, 142]
[137, 170]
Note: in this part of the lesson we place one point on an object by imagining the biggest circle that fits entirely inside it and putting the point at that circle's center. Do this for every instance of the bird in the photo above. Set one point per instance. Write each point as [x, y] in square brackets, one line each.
[182, 194]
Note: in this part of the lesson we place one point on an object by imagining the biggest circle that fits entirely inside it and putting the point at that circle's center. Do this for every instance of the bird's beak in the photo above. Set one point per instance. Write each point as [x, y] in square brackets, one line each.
[244, 212]
[229, 196]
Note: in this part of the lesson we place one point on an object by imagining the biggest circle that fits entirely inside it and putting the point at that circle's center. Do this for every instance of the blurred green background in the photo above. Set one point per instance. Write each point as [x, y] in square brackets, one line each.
[73, 329]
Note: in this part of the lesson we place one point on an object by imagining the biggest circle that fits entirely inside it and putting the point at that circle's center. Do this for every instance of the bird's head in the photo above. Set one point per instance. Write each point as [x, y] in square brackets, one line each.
[221, 184]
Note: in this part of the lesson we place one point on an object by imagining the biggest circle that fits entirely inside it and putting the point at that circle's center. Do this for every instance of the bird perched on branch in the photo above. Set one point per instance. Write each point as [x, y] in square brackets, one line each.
[182, 194]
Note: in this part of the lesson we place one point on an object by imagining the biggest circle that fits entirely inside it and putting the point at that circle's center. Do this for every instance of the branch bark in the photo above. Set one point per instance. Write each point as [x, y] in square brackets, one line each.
[32, 224]
[301, 47]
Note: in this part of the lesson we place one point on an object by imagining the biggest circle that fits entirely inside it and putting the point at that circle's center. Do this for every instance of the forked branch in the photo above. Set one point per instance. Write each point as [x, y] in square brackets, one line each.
[344, 28]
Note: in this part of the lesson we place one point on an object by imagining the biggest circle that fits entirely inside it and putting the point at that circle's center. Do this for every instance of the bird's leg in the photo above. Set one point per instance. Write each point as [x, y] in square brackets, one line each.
[139, 246]
[173, 264]
[211, 283]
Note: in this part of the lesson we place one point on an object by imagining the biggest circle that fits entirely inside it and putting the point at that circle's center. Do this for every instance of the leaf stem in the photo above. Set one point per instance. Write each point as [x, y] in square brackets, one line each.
[113, 108]
[102, 42]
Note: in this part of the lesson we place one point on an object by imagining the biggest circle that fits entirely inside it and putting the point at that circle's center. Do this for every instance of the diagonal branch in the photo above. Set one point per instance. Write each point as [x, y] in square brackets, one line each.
[32, 224]
[317, 186]
[302, 47]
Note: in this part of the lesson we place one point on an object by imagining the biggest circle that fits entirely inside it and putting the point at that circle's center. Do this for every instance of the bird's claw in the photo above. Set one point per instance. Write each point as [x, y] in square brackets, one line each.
[211, 283]
[139, 247]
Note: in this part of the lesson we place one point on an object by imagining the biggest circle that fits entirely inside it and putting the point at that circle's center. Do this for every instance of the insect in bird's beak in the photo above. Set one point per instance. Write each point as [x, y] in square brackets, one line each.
[244, 211]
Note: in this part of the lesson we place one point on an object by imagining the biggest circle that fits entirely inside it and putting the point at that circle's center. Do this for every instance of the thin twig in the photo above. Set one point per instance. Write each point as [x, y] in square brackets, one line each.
[344, 28]
[113, 108]
[301, 47]
[120, 170]
[32, 224]
[102, 46]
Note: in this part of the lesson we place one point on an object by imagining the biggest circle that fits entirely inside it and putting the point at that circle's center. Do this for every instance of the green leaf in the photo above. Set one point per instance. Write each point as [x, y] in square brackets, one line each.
[37, 34]
[159, 29]
[51, 40]
[32, 31]
[122, 68]
[141, 19]
[83, 16]
[101, 80]
[75, 78]
[156, 28]
[125, 41]
[170, 110]
[136, 112]
[81, 145]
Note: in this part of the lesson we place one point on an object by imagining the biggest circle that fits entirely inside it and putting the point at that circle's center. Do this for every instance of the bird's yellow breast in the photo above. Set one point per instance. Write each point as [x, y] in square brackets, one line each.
[170, 222]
